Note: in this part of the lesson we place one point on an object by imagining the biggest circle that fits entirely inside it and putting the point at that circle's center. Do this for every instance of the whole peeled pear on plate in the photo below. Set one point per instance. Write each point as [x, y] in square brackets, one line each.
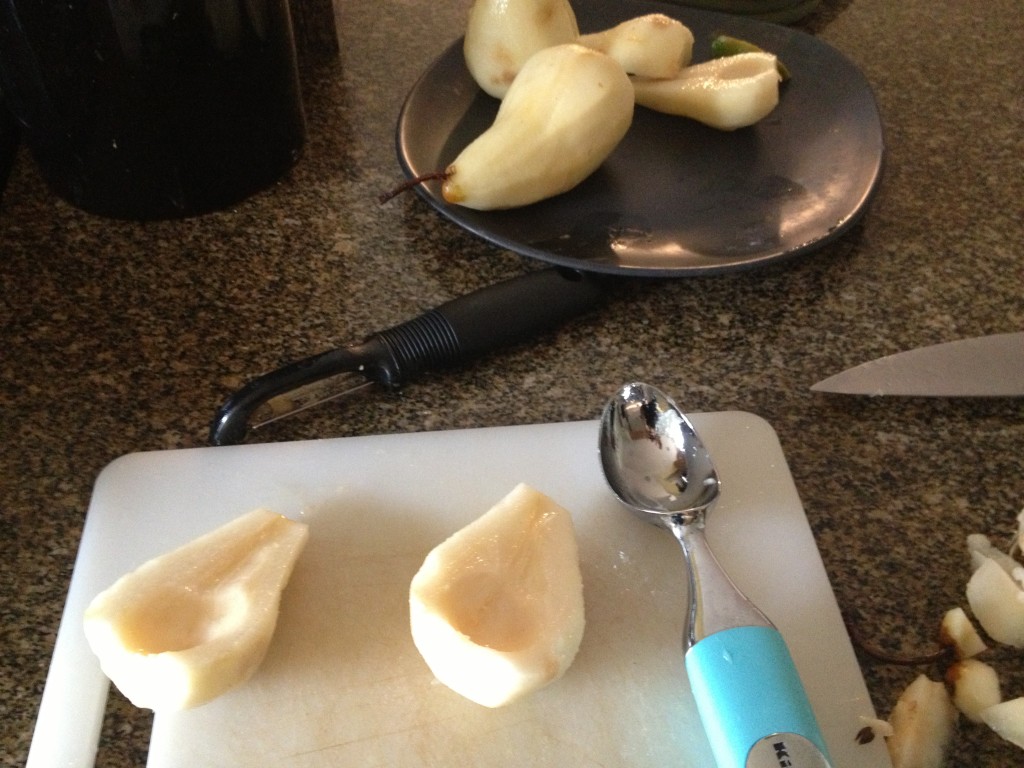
[501, 35]
[567, 110]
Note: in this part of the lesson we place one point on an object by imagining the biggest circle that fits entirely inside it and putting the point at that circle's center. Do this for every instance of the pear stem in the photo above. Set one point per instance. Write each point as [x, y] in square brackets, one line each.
[408, 184]
[940, 654]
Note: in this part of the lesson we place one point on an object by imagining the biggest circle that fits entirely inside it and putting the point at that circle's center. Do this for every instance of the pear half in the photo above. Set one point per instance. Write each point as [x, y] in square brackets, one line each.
[653, 45]
[496, 610]
[727, 93]
[191, 624]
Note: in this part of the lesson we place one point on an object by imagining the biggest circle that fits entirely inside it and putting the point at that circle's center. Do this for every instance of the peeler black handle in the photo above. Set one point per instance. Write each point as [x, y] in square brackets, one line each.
[499, 315]
[496, 316]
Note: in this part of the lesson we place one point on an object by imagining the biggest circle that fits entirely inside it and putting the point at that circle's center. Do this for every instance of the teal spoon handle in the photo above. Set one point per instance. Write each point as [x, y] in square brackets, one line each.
[751, 702]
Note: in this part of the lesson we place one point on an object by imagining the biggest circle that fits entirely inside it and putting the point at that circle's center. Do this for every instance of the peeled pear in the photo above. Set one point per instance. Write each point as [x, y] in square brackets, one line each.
[654, 45]
[189, 625]
[501, 35]
[727, 93]
[496, 610]
[566, 111]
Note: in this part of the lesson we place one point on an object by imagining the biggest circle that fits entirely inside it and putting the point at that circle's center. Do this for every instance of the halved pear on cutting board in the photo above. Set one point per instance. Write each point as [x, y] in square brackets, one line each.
[496, 610]
[193, 623]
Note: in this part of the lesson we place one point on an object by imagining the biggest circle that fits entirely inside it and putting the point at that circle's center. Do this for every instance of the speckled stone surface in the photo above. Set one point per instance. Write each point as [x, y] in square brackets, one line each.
[121, 337]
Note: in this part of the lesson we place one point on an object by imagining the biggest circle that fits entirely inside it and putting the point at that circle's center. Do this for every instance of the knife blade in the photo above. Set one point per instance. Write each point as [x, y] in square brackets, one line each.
[481, 321]
[983, 366]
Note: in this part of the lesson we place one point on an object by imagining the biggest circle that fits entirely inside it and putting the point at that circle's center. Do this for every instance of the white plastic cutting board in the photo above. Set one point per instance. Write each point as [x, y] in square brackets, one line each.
[343, 684]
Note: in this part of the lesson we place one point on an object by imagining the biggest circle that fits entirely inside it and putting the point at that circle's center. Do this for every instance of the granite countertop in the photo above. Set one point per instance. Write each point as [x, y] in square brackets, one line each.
[121, 337]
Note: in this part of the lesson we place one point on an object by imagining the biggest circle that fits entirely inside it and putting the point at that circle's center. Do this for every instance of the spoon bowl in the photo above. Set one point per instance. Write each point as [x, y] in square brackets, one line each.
[653, 458]
[657, 465]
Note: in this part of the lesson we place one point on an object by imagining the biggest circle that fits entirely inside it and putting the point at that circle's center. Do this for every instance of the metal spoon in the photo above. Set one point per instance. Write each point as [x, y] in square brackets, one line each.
[748, 693]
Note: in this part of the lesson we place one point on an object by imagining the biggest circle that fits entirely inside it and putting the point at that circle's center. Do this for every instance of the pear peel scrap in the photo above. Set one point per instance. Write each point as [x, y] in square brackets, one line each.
[922, 732]
[975, 686]
[923, 725]
[1007, 720]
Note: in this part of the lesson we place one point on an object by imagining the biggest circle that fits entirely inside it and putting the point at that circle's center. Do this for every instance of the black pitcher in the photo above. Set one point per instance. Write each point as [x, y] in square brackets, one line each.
[153, 109]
